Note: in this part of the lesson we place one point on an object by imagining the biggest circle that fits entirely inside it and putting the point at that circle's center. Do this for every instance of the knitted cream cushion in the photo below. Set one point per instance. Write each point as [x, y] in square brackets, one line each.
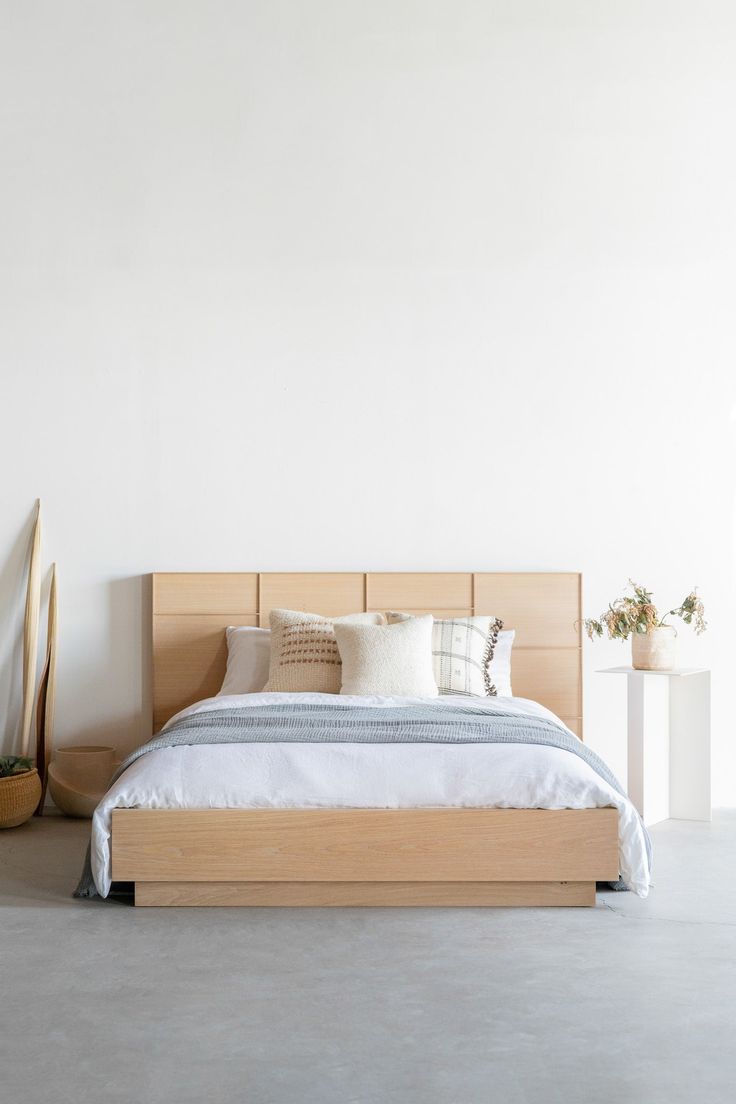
[304, 655]
[463, 653]
[388, 659]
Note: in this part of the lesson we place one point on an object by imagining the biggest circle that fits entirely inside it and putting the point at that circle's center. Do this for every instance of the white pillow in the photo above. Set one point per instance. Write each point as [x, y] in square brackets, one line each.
[387, 660]
[499, 668]
[248, 655]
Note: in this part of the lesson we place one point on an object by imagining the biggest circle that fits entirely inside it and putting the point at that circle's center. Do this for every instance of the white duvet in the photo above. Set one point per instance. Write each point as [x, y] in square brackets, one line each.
[384, 776]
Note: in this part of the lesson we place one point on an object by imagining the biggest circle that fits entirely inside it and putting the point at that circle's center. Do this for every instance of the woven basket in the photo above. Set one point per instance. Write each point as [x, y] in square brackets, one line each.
[19, 796]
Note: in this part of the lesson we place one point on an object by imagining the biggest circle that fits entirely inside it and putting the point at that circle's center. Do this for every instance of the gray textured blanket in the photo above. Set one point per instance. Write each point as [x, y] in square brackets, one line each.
[337, 722]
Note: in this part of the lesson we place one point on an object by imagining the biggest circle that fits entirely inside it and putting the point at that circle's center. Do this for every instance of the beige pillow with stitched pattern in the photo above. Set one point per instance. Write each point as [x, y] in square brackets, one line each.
[304, 653]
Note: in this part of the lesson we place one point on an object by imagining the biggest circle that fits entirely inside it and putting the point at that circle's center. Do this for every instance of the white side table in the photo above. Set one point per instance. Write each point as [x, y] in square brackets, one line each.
[669, 742]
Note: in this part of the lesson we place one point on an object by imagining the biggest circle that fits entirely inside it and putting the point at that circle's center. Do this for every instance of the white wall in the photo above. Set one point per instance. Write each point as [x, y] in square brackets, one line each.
[387, 285]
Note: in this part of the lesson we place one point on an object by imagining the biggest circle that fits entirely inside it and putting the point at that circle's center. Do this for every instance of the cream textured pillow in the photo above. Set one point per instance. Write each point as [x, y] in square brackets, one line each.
[388, 659]
[304, 655]
[462, 655]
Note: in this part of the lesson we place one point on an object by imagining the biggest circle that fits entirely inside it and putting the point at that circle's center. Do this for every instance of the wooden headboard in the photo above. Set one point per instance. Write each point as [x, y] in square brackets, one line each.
[192, 611]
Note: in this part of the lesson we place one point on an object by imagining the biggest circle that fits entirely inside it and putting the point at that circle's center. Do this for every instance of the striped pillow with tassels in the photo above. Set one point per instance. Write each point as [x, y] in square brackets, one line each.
[462, 652]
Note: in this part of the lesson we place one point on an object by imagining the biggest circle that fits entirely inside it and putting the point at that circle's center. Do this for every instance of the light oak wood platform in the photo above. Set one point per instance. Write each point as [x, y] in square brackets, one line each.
[365, 856]
[366, 894]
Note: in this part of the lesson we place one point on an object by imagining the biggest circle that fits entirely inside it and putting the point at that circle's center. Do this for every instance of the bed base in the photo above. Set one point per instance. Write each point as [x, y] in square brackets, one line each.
[365, 894]
[364, 857]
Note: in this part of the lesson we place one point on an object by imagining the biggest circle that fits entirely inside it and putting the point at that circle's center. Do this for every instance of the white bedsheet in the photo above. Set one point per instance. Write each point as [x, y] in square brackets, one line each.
[390, 776]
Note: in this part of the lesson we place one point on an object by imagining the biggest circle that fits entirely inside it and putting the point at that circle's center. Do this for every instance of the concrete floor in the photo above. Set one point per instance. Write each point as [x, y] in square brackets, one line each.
[631, 1001]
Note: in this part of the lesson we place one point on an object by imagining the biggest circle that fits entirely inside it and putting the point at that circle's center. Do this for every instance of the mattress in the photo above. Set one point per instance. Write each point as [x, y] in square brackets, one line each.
[366, 775]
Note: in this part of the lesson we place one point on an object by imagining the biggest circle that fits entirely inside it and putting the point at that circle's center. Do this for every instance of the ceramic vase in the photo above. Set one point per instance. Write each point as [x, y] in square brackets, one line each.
[654, 650]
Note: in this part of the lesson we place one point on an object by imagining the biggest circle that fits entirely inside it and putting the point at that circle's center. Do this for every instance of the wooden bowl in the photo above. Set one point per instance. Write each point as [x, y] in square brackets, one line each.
[79, 778]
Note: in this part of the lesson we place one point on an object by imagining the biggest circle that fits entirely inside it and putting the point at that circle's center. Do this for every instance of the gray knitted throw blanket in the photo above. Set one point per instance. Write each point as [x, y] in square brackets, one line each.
[301, 722]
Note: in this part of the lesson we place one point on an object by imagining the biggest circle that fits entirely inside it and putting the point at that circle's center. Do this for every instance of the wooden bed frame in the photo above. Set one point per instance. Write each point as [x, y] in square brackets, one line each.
[442, 856]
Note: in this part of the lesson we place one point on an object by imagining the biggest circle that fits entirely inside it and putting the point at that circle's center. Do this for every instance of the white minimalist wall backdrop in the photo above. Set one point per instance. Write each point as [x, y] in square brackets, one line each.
[381, 286]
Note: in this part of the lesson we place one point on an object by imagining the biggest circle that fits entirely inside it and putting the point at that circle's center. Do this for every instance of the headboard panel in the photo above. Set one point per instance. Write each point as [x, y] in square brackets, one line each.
[331, 594]
[192, 611]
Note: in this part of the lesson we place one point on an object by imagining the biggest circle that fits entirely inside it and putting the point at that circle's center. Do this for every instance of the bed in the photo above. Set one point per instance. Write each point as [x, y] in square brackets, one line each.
[344, 823]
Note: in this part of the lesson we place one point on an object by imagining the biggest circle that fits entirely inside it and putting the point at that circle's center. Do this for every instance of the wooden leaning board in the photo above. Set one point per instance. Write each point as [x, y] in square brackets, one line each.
[380, 857]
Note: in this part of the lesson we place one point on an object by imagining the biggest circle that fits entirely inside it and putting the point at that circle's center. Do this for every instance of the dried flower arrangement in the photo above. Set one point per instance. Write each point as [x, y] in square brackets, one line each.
[637, 614]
